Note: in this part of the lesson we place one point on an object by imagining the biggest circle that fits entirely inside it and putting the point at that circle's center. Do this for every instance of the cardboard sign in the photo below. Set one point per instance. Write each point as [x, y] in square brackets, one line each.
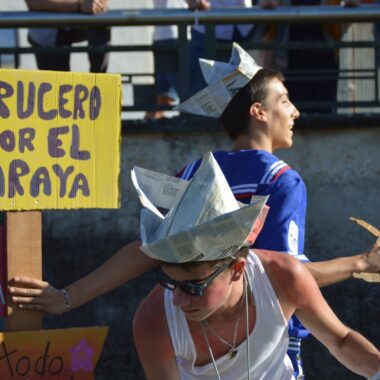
[69, 354]
[2, 272]
[59, 140]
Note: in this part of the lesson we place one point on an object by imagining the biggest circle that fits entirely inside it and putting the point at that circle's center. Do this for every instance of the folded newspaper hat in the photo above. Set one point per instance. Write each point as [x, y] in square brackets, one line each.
[224, 81]
[204, 221]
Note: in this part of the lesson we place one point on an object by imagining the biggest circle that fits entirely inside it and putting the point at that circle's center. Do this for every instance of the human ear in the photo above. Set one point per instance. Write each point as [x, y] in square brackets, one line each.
[257, 111]
[237, 268]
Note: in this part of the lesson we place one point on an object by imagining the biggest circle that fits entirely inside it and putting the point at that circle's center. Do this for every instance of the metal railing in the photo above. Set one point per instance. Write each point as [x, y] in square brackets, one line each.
[183, 18]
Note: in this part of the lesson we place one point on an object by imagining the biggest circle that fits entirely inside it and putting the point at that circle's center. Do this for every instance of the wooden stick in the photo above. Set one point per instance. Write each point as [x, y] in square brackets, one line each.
[24, 258]
[369, 227]
[369, 277]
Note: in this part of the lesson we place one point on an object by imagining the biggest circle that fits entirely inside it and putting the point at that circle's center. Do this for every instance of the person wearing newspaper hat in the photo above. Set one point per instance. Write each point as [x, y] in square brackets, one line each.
[221, 310]
[265, 125]
[259, 117]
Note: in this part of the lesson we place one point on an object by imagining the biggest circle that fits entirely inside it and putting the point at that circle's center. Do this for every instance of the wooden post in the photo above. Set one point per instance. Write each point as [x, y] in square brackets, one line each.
[24, 258]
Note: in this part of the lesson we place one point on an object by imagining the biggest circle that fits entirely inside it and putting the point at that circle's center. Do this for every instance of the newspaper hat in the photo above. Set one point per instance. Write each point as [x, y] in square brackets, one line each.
[204, 221]
[224, 81]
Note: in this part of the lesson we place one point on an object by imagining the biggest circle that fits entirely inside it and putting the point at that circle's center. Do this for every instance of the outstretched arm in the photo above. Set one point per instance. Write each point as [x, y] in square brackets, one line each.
[332, 271]
[125, 264]
[284, 231]
[83, 6]
[349, 347]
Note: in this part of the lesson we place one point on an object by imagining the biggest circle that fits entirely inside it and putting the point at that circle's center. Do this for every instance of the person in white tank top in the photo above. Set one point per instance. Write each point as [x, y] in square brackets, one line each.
[268, 340]
[223, 313]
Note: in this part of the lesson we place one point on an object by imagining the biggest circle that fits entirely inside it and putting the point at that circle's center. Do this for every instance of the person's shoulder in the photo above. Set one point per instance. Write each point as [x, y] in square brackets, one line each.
[188, 171]
[283, 269]
[152, 338]
[287, 183]
[290, 177]
[279, 261]
[281, 168]
[281, 173]
[274, 168]
[145, 321]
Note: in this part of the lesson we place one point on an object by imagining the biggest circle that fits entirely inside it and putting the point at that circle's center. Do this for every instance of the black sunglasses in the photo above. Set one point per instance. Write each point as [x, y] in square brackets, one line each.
[193, 288]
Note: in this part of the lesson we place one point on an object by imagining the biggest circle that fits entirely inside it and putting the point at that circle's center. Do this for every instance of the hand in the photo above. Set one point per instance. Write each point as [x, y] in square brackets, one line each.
[200, 5]
[269, 4]
[94, 6]
[31, 294]
[351, 3]
[370, 262]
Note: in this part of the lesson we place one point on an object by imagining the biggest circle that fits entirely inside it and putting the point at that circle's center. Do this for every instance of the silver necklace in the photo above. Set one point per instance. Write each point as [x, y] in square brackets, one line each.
[232, 352]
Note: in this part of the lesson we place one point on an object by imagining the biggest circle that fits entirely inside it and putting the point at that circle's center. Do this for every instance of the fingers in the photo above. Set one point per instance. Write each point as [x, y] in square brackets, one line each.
[376, 247]
[26, 299]
[94, 6]
[97, 8]
[351, 3]
[24, 292]
[31, 301]
[27, 304]
[372, 259]
[205, 4]
[27, 282]
[46, 299]
[198, 4]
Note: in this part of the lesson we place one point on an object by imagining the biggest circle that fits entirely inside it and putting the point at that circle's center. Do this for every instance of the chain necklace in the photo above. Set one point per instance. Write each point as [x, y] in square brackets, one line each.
[232, 352]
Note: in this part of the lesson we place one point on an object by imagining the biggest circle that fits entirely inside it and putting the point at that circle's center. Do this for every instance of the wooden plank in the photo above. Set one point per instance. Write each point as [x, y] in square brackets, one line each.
[3, 278]
[24, 258]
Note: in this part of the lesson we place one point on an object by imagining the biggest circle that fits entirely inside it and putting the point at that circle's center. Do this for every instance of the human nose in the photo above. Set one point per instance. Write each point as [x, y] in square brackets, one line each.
[295, 113]
[180, 298]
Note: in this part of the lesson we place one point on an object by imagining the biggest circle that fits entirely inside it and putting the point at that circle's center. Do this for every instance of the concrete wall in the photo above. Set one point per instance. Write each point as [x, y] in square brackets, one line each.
[341, 168]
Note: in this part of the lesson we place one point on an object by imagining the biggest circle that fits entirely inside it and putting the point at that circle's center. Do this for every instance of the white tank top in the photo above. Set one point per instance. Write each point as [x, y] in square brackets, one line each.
[268, 340]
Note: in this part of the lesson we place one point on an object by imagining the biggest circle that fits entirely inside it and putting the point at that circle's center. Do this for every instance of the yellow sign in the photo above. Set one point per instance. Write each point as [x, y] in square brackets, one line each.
[59, 140]
[69, 354]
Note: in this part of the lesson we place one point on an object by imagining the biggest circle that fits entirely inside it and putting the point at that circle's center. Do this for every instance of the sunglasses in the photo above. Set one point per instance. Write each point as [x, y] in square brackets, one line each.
[194, 287]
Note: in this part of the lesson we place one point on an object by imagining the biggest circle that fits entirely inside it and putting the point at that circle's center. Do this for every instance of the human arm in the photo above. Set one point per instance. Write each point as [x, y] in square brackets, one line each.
[298, 292]
[284, 231]
[83, 6]
[349, 347]
[269, 4]
[152, 338]
[351, 3]
[332, 271]
[127, 263]
[200, 5]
